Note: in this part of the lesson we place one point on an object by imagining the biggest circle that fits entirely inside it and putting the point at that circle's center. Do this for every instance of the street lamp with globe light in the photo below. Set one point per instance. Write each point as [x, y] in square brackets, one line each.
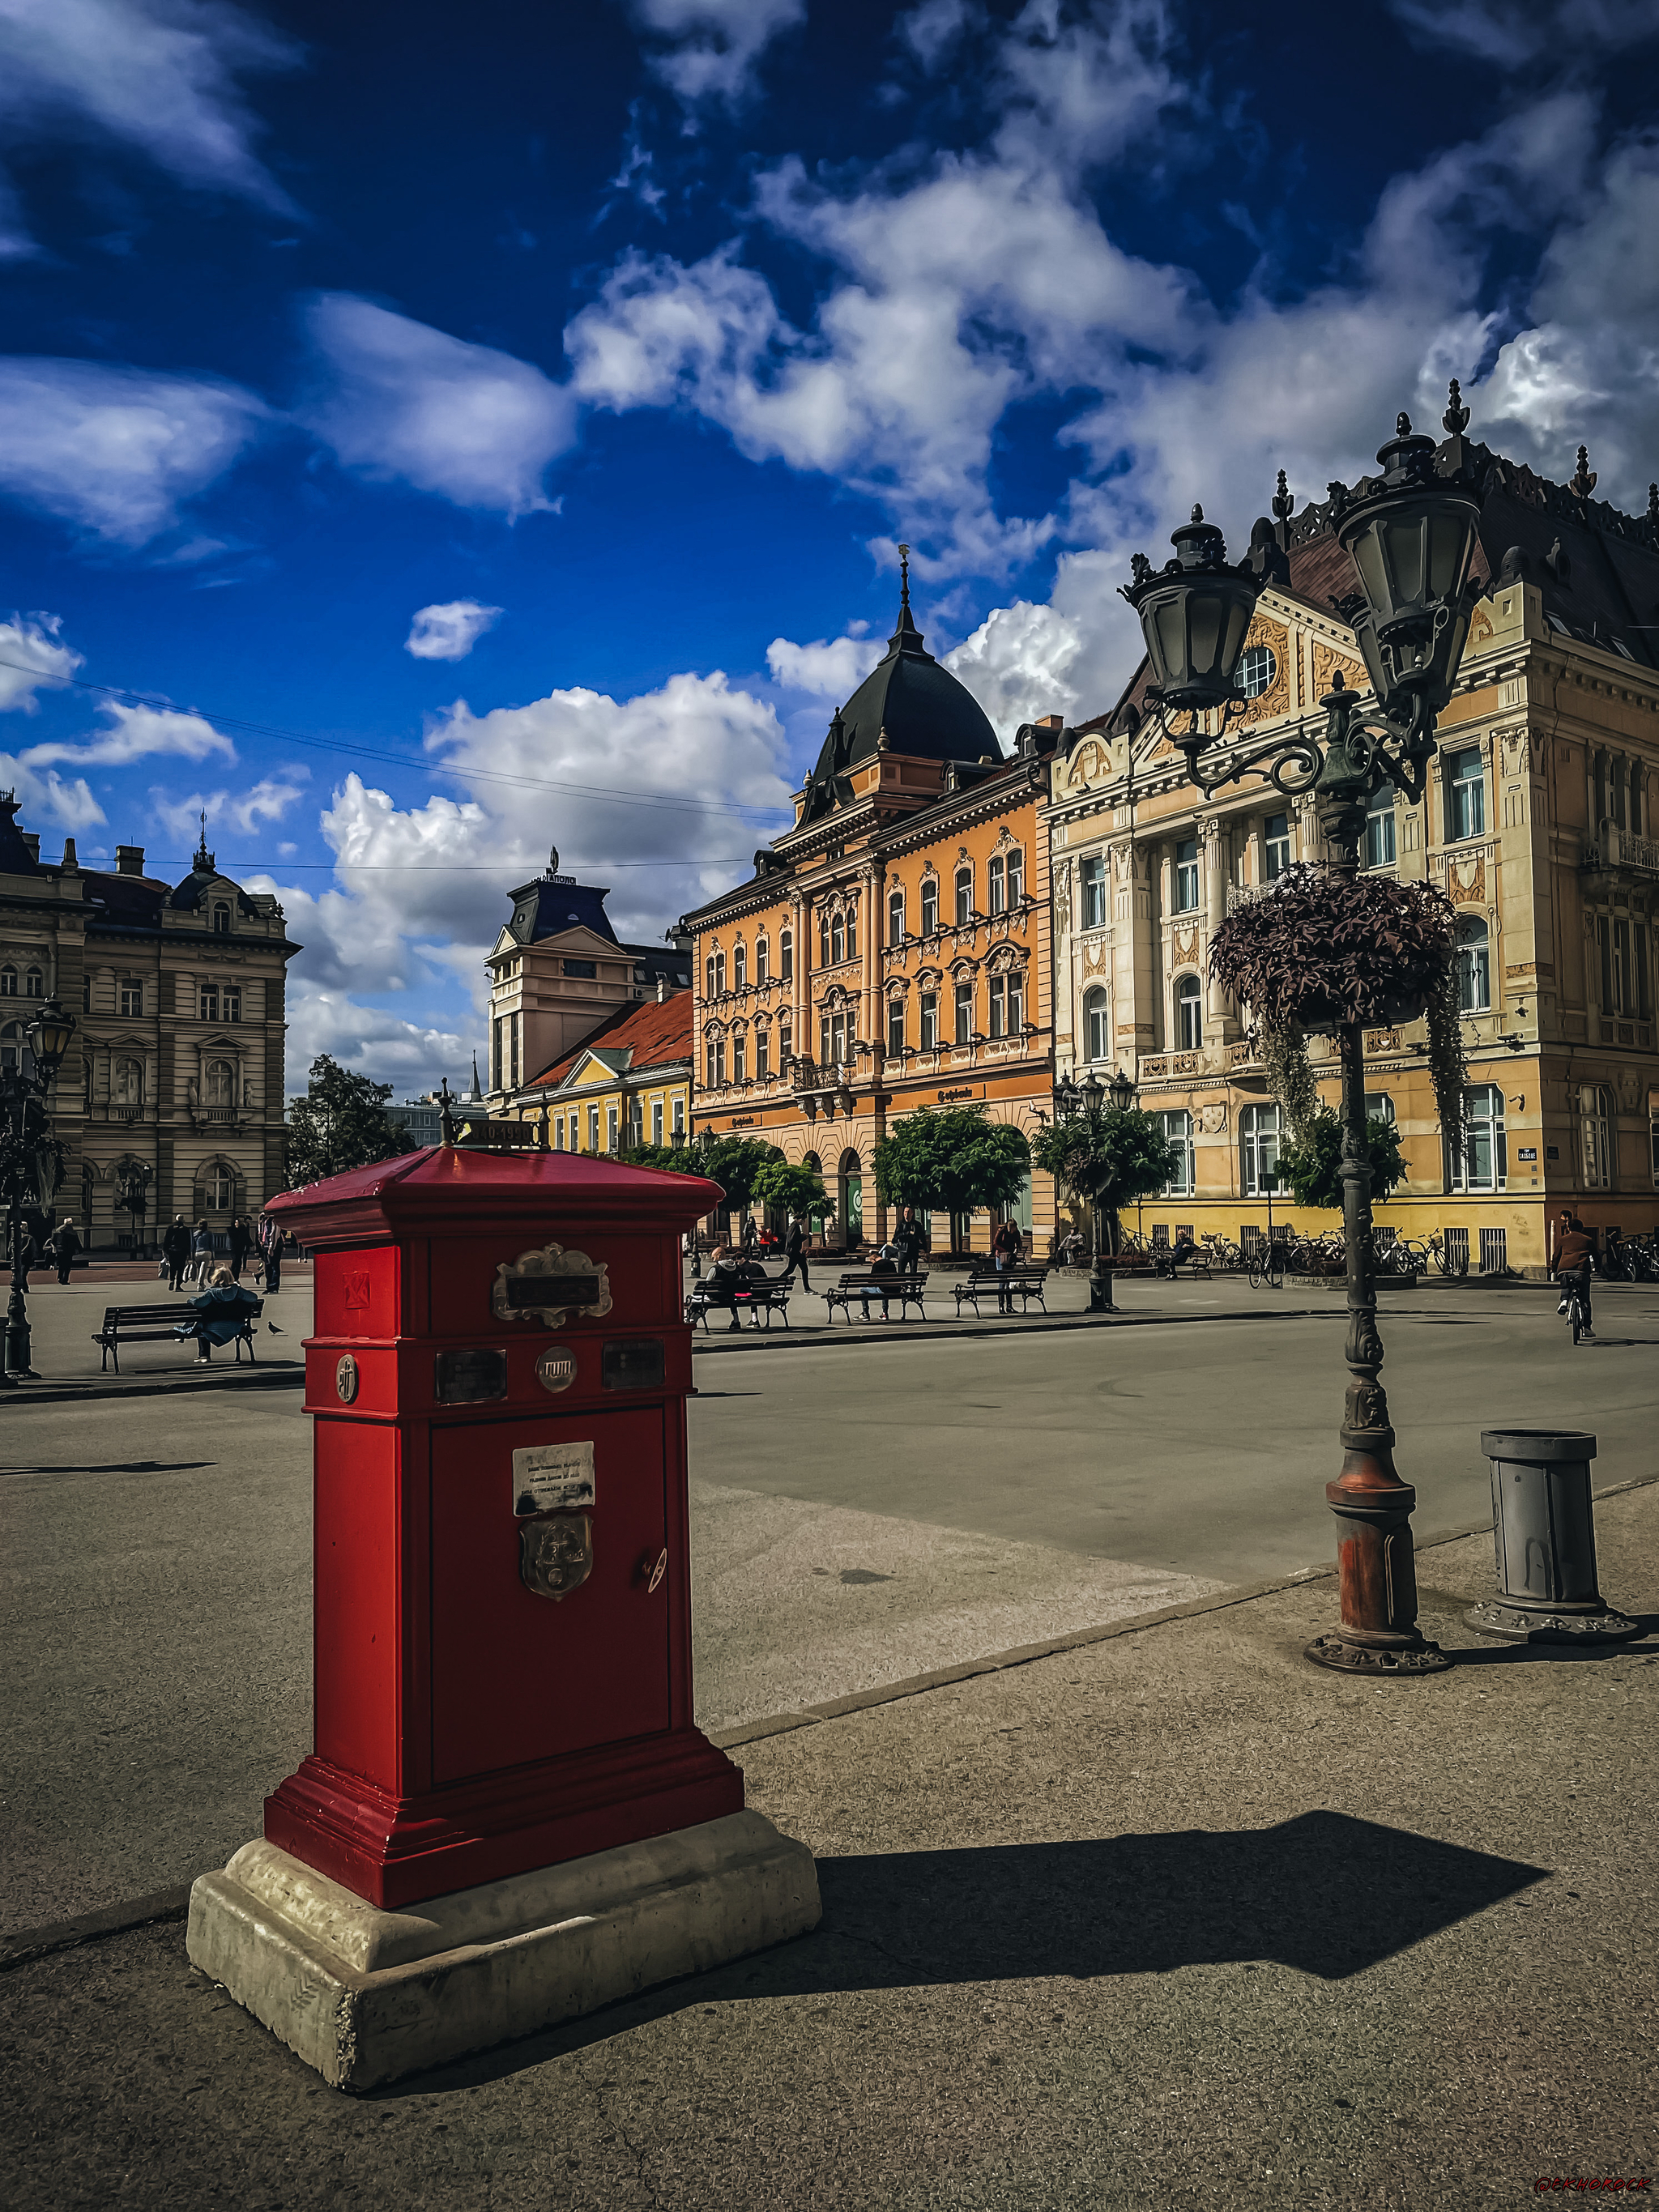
[1410, 535]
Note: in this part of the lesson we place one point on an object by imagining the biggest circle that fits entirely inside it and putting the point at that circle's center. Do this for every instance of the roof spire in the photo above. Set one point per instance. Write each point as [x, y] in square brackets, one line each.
[1455, 420]
[477, 1093]
[204, 863]
[906, 637]
[904, 578]
[1584, 484]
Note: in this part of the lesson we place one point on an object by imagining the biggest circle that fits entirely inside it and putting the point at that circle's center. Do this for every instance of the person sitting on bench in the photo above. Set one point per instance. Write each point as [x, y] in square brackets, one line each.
[884, 1264]
[727, 1278]
[226, 1307]
[1181, 1251]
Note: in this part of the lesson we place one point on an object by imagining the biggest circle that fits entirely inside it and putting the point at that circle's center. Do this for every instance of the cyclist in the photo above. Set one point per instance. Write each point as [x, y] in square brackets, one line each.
[1575, 1254]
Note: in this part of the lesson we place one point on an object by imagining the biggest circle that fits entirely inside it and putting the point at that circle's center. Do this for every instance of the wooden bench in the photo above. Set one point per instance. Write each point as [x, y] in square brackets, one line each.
[767, 1297]
[1026, 1280]
[907, 1290]
[161, 1325]
[1195, 1263]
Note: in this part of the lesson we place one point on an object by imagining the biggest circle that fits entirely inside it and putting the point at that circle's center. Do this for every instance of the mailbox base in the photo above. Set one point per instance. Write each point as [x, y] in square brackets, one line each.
[366, 1996]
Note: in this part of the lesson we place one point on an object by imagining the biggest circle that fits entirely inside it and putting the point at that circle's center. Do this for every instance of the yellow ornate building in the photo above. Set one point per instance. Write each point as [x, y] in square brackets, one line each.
[1538, 824]
[892, 950]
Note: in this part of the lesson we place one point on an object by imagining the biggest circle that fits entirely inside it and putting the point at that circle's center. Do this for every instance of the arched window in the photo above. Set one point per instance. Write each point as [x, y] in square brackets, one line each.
[1007, 1003]
[740, 967]
[1098, 1024]
[1484, 1162]
[1189, 1014]
[787, 955]
[1599, 1115]
[763, 953]
[964, 896]
[221, 1083]
[128, 1085]
[852, 933]
[1474, 967]
[995, 887]
[221, 918]
[929, 906]
[895, 917]
[1258, 1133]
[34, 984]
[708, 977]
[824, 940]
[837, 938]
[8, 982]
[219, 1186]
[720, 975]
[1178, 1133]
[852, 1198]
[1015, 873]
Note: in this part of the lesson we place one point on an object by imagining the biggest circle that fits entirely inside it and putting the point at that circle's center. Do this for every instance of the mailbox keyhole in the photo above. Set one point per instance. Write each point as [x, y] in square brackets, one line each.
[656, 1572]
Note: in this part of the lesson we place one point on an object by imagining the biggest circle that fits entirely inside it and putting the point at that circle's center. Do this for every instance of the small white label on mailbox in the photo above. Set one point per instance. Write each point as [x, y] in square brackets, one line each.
[552, 1478]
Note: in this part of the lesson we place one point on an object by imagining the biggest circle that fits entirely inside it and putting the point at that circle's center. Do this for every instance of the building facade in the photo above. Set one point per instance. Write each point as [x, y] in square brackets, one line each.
[1538, 824]
[627, 1084]
[892, 950]
[173, 1085]
[558, 970]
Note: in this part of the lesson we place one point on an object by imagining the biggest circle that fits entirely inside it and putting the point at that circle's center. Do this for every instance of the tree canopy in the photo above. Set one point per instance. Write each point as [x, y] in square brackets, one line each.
[733, 1163]
[951, 1157]
[340, 1123]
[1108, 1158]
[1313, 1168]
[792, 1189]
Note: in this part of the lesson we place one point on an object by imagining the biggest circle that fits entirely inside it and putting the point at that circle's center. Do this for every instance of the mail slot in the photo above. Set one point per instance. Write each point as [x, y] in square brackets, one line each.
[502, 1604]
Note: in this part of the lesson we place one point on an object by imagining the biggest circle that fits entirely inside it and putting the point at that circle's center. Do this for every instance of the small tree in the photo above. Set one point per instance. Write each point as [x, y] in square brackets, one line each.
[732, 1162]
[796, 1190]
[953, 1157]
[667, 1159]
[340, 1123]
[1313, 1168]
[1108, 1158]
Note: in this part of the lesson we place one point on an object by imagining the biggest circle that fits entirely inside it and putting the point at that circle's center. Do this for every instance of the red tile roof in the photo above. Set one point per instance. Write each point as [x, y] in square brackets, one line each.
[651, 1033]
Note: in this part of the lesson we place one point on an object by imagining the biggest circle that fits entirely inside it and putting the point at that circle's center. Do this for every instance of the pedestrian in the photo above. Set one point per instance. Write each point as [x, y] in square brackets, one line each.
[750, 1236]
[201, 1253]
[794, 1252]
[65, 1243]
[241, 1237]
[274, 1241]
[1574, 1257]
[909, 1242]
[175, 1250]
[226, 1307]
[1005, 1248]
[883, 1266]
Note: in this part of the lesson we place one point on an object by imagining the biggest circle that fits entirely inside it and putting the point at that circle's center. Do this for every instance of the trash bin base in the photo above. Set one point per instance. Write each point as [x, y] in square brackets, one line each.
[1547, 1625]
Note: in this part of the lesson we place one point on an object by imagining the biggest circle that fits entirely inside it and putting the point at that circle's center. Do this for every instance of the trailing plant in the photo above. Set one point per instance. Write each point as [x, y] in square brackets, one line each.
[1313, 1165]
[1447, 1063]
[1290, 1076]
[1321, 947]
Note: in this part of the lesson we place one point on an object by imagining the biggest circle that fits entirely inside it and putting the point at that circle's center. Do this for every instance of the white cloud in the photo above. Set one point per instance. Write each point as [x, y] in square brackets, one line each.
[139, 733]
[402, 400]
[408, 1055]
[267, 800]
[32, 653]
[828, 669]
[116, 450]
[450, 630]
[1508, 34]
[711, 46]
[1023, 662]
[48, 796]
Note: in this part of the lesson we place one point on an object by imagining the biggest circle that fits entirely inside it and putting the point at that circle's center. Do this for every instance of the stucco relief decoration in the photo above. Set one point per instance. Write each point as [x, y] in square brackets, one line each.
[1089, 761]
[1480, 628]
[1211, 1120]
[1466, 881]
[1276, 699]
[1326, 662]
[1183, 946]
[1005, 837]
[1096, 958]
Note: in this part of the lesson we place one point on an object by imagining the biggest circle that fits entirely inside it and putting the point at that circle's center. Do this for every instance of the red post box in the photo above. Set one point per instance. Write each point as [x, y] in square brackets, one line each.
[498, 1378]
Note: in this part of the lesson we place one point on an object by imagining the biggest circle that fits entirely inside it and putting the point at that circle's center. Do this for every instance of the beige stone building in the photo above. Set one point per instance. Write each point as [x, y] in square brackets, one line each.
[176, 1065]
[1539, 824]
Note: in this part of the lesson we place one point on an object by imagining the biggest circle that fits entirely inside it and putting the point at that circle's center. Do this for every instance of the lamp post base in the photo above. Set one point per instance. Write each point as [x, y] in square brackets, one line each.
[1553, 1623]
[1100, 1290]
[1347, 1654]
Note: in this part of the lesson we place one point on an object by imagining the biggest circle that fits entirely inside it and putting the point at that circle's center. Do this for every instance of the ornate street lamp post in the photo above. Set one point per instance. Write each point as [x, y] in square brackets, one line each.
[1411, 534]
[31, 1166]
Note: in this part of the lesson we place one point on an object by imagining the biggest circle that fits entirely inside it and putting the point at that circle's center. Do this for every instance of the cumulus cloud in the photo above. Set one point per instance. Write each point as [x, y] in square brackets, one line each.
[267, 800]
[708, 49]
[450, 630]
[829, 668]
[138, 733]
[115, 450]
[32, 653]
[410, 1055]
[44, 795]
[400, 400]
[1509, 34]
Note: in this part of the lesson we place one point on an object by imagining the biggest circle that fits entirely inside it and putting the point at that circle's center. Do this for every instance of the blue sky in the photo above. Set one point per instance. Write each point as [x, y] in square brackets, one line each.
[448, 433]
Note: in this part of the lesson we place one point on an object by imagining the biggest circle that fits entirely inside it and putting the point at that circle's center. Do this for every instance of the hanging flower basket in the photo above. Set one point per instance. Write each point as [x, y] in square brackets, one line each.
[1320, 949]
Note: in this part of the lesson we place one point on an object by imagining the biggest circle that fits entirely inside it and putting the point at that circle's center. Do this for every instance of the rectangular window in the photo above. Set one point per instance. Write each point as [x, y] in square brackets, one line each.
[708, 1063]
[896, 918]
[517, 1032]
[787, 956]
[1275, 845]
[823, 1040]
[1016, 1004]
[993, 886]
[1379, 829]
[1178, 1131]
[1604, 946]
[1259, 1132]
[964, 897]
[929, 1021]
[739, 1057]
[656, 1121]
[964, 1002]
[1093, 873]
[1016, 872]
[1494, 1252]
[762, 954]
[852, 933]
[930, 908]
[762, 1054]
[1465, 794]
[895, 1028]
[1643, 980]
[611, 1128]
[1379, 1106]
[231, 1003]
[679, 1116]
[1186, 875]
[1484, 1162]
[838, 1039]
[208, 1002]
[592, 1129]
[999, 1006]
[786, 1042]
[1623, 970]
[132, 998]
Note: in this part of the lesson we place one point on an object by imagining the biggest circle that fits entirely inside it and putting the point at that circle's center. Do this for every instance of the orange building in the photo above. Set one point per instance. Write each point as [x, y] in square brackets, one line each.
[892, 950]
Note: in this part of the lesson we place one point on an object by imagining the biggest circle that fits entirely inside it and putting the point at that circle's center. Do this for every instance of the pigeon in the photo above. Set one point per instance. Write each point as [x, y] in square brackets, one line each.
[275, 1331]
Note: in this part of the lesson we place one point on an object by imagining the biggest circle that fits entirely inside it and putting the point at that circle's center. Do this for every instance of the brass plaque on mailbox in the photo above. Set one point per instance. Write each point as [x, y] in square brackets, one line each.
[546, 1285]
[633, 1363]
[465, 1378]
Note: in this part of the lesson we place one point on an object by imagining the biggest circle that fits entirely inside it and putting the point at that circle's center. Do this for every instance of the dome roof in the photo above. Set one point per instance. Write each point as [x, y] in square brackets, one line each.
[923, 708]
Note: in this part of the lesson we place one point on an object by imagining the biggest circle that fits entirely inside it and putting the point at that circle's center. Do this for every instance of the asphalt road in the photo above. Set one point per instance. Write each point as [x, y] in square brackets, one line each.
[858, 1516]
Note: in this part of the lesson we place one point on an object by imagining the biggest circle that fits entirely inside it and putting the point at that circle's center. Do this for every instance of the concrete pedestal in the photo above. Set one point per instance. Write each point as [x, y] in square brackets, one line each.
[366, 1996]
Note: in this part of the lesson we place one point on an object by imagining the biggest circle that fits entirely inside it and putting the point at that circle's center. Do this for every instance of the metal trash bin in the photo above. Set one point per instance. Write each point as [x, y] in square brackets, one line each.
[1544, 1533]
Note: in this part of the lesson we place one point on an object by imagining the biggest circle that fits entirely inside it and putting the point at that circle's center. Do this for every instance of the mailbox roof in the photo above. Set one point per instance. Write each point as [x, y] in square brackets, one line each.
[450, 1186]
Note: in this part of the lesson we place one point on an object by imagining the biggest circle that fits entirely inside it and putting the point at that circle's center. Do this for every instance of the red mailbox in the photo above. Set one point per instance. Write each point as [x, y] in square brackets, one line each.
[503, 1641]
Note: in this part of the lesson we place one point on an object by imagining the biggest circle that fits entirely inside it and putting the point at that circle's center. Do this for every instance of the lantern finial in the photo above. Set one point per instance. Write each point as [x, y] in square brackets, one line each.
[1455, 420]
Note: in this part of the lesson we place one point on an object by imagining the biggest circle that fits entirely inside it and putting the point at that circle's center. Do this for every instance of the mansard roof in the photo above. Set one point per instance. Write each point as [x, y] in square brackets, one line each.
[649, 1034]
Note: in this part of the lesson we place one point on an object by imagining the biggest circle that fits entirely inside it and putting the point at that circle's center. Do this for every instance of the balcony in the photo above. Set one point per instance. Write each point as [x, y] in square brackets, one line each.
[1614, 857]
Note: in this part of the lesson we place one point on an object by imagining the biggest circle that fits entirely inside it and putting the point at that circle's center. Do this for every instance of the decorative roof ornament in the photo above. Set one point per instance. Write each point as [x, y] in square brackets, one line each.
[1584, 484]
[552, 862]
[1284, 500]
[904, 578]
[1653, 502]
[204, 863]
[1455, 420]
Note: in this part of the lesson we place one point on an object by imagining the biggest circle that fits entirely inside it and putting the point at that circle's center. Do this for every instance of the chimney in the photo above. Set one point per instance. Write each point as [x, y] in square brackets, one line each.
[662, 990]
[70, 864]
[1051, 721]
[128, 859]
[31, 838]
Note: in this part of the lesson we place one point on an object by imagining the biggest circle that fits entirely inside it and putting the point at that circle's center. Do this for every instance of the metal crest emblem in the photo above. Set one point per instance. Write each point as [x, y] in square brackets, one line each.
[548, 1284]
[555, 1553]
[345, 1379]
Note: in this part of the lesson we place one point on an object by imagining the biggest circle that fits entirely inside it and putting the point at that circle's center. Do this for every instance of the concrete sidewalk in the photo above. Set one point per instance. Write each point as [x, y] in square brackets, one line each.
[1165, 1917]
